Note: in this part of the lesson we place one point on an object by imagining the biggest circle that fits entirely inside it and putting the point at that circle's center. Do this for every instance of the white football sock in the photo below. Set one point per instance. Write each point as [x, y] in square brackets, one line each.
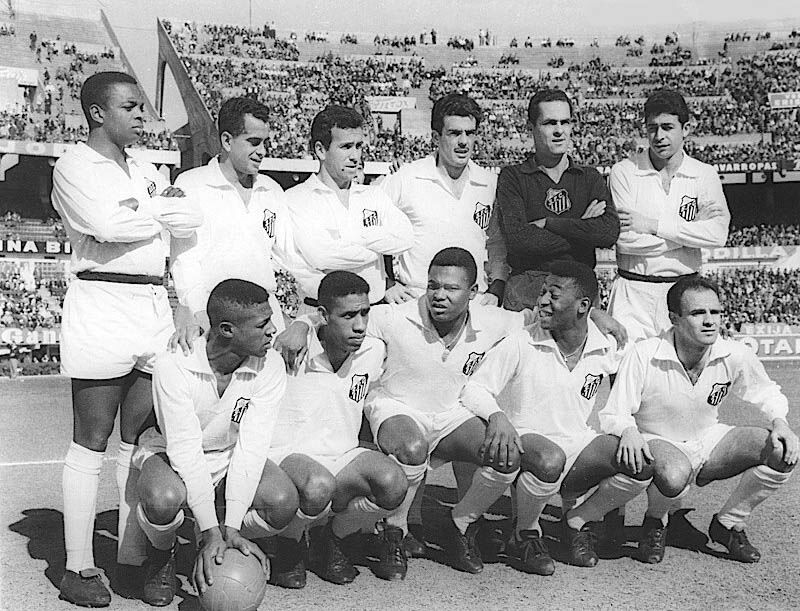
[613, 492]
[532, 497]
[256, 527]
[360, 513]
[161, 536]
[301, 522]
[415, 474]
[755, 485]
[131, 540]
[79, 482]
[660, 506]
[488, 485]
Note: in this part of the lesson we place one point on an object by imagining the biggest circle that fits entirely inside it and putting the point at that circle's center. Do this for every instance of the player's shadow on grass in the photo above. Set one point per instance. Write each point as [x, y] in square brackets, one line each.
[44, 529]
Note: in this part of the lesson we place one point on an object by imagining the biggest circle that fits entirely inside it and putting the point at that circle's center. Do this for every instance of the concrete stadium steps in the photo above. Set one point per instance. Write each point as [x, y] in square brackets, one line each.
[417, 121]
[69, 28]
[15, 52]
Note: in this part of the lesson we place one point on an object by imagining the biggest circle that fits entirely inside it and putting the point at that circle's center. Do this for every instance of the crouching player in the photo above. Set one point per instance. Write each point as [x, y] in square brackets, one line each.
[216, 409]
[665, 406]
[545, 378]
[316, 444]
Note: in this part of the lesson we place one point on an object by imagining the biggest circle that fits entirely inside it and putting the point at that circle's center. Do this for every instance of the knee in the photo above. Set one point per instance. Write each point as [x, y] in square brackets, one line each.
[390, 488]
[670, 480]
[317, 493]
[546, 465]
[414, 452]
[278, 506]
[161, 503]
[93, 439]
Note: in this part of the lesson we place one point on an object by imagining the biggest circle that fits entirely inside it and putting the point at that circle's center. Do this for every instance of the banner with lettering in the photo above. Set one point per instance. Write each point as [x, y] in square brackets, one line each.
[771, 341]
[18, 337]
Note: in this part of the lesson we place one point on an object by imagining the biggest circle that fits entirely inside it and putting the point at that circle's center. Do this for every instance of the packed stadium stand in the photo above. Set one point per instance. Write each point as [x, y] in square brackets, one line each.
[296, 74]
[727, 82]
[50, 56]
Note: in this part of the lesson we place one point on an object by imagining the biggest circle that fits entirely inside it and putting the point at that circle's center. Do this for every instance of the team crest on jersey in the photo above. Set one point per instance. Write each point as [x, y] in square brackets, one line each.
[718, 392]
[358, 387]
[688, 208]
[269, 223]
[590, 385]
[370, 218]
[151, 188]
[481, 216]
[239, 409]
[473, 360]
[557, 201]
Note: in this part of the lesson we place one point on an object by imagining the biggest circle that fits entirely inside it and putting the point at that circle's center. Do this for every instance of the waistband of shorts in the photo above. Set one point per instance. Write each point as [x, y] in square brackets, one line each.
[120, 278]
[623, 273]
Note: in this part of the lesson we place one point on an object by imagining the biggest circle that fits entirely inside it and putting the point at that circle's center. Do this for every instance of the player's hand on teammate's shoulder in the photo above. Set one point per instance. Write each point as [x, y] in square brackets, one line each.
[488, 299]
[594, 209]
[781, 436]
[398, 293]
[172, 192]
[188, 328]
[502, 445]
[609, 325]
[292, 345]
[633, 451]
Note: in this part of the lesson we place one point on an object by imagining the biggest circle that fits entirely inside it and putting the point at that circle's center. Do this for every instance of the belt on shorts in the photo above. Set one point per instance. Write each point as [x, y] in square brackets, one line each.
[313, 303]
[657, 279]
[120, 278]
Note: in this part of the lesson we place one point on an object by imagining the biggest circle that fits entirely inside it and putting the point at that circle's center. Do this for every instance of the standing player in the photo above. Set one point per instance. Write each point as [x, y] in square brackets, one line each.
[665, 406]
[339, 224]
[549, 208]
[670, 206]
[545, 379]
[246, 230]
[216, 409]
[118, 213]
[450, 201]
[316, 443]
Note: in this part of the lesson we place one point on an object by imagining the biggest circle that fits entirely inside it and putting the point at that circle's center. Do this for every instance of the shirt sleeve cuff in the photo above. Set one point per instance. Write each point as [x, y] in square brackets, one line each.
[234, 513]
[205, 515]
[777, 409]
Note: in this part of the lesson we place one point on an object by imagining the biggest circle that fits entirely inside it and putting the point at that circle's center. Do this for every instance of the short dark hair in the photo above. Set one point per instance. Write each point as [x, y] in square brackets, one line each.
[581, 275]
[230, 294]
[95, 90]
[546, 95]
[454, 105]
[668, 102]
[456, 257]
[332, 116]
[690, 283]
[340, 284]
[231, 114]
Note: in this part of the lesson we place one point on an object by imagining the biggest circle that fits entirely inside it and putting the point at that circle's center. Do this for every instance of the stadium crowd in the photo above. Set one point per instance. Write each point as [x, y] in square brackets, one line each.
[27, 301]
